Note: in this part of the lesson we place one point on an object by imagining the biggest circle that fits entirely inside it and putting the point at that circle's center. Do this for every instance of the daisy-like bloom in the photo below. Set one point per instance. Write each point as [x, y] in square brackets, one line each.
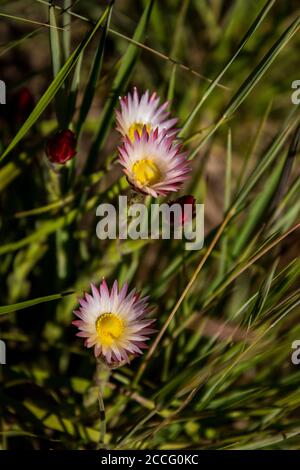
[152, 162]
[139, 112]
[113, 322]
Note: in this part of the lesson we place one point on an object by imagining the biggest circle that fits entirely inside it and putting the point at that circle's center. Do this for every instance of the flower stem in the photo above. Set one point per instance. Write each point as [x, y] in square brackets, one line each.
[102, 375]
[102, 419]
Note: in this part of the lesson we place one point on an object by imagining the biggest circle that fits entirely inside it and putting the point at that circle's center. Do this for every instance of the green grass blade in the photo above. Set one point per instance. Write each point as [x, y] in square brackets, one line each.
[54, 42]
[94, 75]
[251, 81]
[29, 303]
[259, 210]
[259, 19]
[119, 85]
[66, 34]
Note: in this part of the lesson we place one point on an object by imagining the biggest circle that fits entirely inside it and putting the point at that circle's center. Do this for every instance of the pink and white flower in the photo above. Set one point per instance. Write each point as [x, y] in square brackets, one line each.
[139, 112]
[113, 322]
[153, 163]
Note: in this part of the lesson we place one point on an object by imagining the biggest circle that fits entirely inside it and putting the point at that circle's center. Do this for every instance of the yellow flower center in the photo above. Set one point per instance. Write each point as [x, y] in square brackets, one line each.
[109, 327]
[146, 172]
[137, 126]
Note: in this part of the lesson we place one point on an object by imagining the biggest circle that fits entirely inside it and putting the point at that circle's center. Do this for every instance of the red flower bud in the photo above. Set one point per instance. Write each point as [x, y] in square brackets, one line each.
[61, 147]
[20, 106]
[188, 210]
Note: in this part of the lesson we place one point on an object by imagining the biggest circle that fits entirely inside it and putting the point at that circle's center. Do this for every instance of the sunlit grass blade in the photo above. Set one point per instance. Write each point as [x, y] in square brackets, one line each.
[56, 57]
[93, 76]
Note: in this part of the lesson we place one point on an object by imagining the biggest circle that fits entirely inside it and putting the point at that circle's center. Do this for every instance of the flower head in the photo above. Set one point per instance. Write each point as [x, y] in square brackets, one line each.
[61, 147]
[152, 162]
[139, 112]
[113, 322]
[187, 204]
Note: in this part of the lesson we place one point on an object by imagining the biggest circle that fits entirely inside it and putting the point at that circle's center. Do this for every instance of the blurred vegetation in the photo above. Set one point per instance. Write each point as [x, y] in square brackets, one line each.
[220, 376]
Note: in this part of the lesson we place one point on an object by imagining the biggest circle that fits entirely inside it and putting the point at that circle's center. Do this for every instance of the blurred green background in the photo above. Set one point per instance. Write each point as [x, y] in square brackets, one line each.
[221, 376]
